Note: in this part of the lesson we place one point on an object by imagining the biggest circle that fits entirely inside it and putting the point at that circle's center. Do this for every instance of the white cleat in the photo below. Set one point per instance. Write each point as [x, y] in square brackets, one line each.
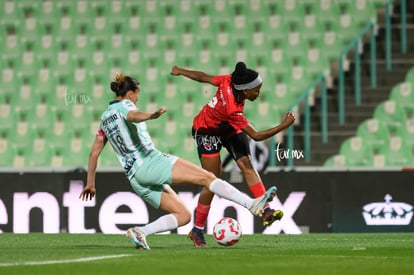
[260, 202]
[138, 238]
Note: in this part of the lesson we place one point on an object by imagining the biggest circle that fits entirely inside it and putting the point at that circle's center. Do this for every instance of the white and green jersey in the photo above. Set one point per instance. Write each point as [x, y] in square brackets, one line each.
[130, 141]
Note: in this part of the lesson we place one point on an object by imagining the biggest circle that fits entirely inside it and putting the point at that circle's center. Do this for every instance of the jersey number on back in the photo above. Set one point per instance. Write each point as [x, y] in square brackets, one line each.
[119, 143]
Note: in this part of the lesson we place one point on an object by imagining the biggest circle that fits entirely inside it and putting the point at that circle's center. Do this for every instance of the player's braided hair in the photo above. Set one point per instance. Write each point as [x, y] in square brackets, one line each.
[123, 83]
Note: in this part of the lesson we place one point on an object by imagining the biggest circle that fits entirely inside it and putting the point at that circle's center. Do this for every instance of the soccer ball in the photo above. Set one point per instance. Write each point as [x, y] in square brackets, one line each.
[227, 231]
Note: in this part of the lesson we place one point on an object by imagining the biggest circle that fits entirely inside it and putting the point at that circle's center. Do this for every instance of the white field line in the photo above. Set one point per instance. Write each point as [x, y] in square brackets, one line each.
[78, 260]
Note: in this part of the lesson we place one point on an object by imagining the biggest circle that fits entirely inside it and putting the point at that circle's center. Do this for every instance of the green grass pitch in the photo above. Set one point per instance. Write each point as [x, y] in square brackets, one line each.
[383, 253]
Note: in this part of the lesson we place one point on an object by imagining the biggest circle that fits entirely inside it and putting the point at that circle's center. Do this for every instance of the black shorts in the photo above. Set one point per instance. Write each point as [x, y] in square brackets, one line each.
[209, 145]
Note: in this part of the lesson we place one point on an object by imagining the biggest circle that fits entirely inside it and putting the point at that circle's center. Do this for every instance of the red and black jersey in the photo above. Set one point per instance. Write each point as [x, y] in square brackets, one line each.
[222, 113]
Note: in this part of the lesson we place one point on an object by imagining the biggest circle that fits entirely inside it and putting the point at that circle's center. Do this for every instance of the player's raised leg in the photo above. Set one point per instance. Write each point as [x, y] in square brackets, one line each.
[185, 172]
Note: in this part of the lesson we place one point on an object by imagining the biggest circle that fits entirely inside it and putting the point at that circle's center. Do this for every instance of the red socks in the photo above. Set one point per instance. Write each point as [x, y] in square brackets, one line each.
[201, 215]
[257, 189]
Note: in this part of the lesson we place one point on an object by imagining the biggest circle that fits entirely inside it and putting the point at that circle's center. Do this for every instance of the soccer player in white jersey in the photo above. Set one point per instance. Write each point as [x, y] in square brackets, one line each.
[150, 172]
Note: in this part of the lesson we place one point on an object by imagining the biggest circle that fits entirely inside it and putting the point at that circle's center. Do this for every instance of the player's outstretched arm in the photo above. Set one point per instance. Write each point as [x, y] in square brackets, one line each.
[139, 116]
[194, 75]
[265, 134]
[89, 190]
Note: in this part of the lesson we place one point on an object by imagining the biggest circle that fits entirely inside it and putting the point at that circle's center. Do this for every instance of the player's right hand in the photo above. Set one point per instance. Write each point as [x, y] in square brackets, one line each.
[289, 118]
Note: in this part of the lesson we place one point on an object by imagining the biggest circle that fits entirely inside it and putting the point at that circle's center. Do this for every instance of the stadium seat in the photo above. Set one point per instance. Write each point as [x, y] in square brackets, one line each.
[294, 10]
[7, 113]
[108, 157]
[25, 96]
[375, 133]
[75, 154]
[403, 94]
[332, 41]
[262, 113]
[11, 13]
[6, 150]
[379, 3]
[282, 91]
[40, 153]
[352, 18]
[300, 78]
[58, 97]
[357, 152]
[45, 81]
[63, 65]
[48, 12]
[335, 161]
[66, 27]
[41, 118]
[392, 114]
[101, 25]
[275, 26]
[409, 76]
[188, 148]
[21, 158]
[296, 45]
[11, 45]
[22, 136]
[316, 61]
[60, 130]
[399, 153]
[310, 23]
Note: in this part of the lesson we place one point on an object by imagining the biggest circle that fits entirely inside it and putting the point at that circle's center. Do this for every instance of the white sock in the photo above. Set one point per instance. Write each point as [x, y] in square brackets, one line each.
[229, 192]
[164, 223]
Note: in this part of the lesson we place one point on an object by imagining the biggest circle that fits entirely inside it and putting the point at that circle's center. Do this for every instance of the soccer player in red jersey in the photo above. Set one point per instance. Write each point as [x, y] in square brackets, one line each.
[221, 122]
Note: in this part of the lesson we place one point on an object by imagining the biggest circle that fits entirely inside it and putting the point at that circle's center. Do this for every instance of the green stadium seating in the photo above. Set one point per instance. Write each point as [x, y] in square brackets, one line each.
[108, 157]
[40, 152]
[7, 113]
[11, 14]
[316, 61]
[12, 45]
[22, 134]
[6, 150]
[375, 133]
[392, 114]
[379, 3]
[399, 153]
[331, 42]
[409, 134]
[75, 154]
[335, 161]
[403, 94]
[53, 51]
[409, 77]
[357, 152]
[263, 114]
[21, 158]
[60, 131]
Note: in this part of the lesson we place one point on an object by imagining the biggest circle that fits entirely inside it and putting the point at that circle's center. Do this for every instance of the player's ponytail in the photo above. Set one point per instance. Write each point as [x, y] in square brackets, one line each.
[122, 84]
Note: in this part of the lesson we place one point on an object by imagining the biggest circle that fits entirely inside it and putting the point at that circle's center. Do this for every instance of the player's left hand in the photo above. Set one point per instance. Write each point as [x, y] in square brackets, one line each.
[87, 193]
[175, 70]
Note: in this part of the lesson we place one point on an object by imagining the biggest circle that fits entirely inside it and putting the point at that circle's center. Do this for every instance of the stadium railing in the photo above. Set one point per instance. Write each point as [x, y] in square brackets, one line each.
[354, 45]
